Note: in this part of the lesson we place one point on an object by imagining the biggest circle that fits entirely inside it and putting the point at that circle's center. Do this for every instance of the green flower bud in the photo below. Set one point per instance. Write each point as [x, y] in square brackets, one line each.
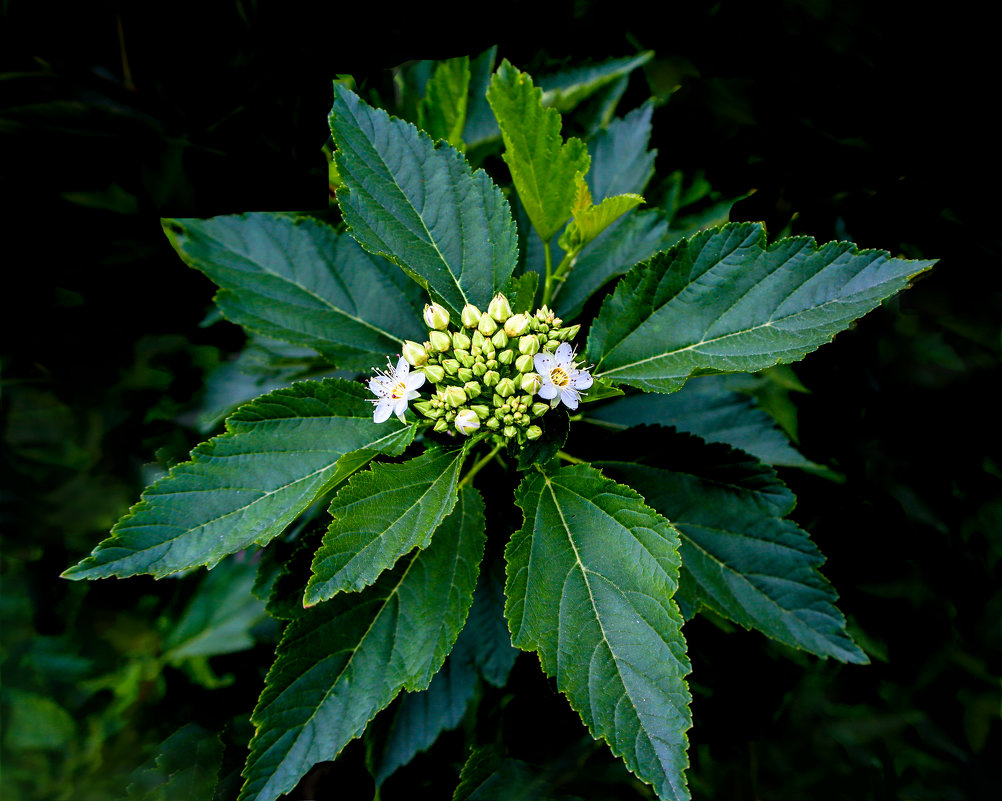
[479, 368]
[531, 382]
[499, 308]
[572, 332]
[427, 409]
[528, 345]
[441, 425]
[455, 396]
[477, 341]
[533, 432]
[472, 388]
[507, 356]
[487, 326]
[440, 341]
[451, 366]
[483, 412]
[493, 424]
[488, 349]
[541, 338]
[464, 358]
[433, 372]
[539, 409]
[467, 422]
[414, 353]
[436, 317]
[543, 328]
[461, 341]
[497, 401]
[552, 344]
[507, 420]
[492, 364]
[470, 316]
[509, 431]
[505, 388]
[464, 374]
[524, 364]
[491, 378]
[517, 325]
[500, 340]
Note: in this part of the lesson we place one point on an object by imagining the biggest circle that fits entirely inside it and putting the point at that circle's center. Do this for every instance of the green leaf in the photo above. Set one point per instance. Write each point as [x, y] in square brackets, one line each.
[740, 558]
[242, 488]
[591, 220]
[521, 292]
[34, 721]
[706, 407]
[564, 90]
[487, 776]
[339, 663]
[635, 237]
[442, 111]
[591, 575]
[556, 426]
[493, 653]
[219, 616]
[187, 766]
[543, 167]
[420, 205]
[298, 280]
[481, 127]
[380, 515]
[621, 164]
[725, 301]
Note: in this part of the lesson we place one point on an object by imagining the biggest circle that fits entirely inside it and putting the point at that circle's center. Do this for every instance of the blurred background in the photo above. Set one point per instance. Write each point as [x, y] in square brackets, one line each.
[842, 120]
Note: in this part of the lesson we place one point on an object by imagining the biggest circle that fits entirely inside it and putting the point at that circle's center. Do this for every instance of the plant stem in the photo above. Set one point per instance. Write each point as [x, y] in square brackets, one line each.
[477, 467]
[548, 281]
[560, 274]
[568, 458]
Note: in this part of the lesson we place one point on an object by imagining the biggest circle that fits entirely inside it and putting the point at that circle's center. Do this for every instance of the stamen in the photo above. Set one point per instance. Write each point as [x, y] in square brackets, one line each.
[559, 377]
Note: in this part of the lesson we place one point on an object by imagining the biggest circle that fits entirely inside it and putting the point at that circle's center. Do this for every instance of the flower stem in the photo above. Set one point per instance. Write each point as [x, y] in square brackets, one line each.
[478, 466]
[548, 281]
[568, 458]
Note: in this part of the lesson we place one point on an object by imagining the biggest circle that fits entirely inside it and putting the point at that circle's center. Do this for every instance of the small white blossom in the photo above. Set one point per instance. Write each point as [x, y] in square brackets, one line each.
[393, 388]
[467, 422]
[562, 380]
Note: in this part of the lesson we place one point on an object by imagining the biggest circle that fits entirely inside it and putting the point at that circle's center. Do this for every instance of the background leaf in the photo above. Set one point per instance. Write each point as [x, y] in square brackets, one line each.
[420, 205]
[187, 766]
[342, 661]
[442, 111]
[724, 301]
[565, 89]
[591, 576]
[245, 486]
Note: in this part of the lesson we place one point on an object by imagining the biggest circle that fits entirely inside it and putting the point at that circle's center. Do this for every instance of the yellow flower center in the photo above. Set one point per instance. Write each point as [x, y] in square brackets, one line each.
[398, 391]
[559, 377]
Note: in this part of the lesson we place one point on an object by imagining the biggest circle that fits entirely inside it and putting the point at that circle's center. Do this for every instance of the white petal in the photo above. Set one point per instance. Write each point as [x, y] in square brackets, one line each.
[400, 408]
[377, 385]
[548, 391]
[570, 398]
[412, 395]
[564, 354]
[581, 379]
[402, 368]
[382, 413]
[414, 380]
[543, 362]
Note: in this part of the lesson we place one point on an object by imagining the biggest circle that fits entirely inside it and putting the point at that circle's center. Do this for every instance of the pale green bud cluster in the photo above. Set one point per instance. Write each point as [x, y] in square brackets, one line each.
[483, 368]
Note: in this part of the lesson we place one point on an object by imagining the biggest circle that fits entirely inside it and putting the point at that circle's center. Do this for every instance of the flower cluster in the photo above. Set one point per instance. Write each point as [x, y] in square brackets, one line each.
[487, 371]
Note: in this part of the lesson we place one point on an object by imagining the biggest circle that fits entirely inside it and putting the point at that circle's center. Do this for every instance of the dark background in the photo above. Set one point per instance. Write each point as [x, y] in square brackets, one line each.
[859, 120]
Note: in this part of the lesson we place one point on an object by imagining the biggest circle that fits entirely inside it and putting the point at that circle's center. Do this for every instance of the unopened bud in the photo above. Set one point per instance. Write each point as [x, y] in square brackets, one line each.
[441, 425]
[483, 412]
[479, 368]
[539, 409]
[551, 344]
[426, 409]
[517, 325]
[492, 364]
[464, 374]
[531, 382]
[499, 308]
[477, 340]
[440, 341]
[464, 358]
[533, 432]
[491, 378]
[524, 364]
[500, 339]
[507, 356]
[436, 317]
[451, 366]
[467, 422]
[455, 396]
[510, 431]
[414, 353]
[572, 332]
[493, 424]
[460, 341]
[433, 372]
[472, 388]
[505, 388]
[470, 316]
[528, 345]
[487, 325]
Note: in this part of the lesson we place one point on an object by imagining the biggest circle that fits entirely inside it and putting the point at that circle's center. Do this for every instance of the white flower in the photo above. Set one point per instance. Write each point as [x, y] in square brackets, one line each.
[467, 421]
[562, 380]
[393, 389]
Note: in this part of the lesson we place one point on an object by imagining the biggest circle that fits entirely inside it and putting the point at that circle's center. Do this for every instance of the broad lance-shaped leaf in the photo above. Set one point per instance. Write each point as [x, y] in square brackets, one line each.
[620, 161]
[442, 111]
[591, 575]
[421, 205]
[380, 515]
[740, 558]
[564, 90]
[298, 280]
[590, 220]
[339, 663]
[543, 167]
[244, 487]
[725, 301]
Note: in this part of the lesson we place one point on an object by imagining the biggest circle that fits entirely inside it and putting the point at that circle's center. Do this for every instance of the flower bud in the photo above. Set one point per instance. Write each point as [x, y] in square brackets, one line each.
[505, 388]
[510, 432]
[433, 372]
[533, 432]
[488, 349]
[483, 412]
[464, 358]
[492, 364]
[479, 368]
[542, 339]
[517, 325]
[467, 422]
[441, 424]
[451, 366]
[472, 389]
[478, 340]
[493, 424]
[470, 316]
[460, 341]
[436, 317]
[524, 364]
[440, 341]
[528, 345]
[500, 339]
[497, 402]
[487, 325]
[499, 308]
[464, 374]
[427, 409]
[539, 409]
[551, 345]
[414, 353]
[572, 332]
[531, 382]
[455, 396]
[507, 356]
[491, 378]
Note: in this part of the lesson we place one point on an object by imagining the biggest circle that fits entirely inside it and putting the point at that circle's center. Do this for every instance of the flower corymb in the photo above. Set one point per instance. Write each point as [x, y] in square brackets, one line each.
[393, 388]
[562, 380]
